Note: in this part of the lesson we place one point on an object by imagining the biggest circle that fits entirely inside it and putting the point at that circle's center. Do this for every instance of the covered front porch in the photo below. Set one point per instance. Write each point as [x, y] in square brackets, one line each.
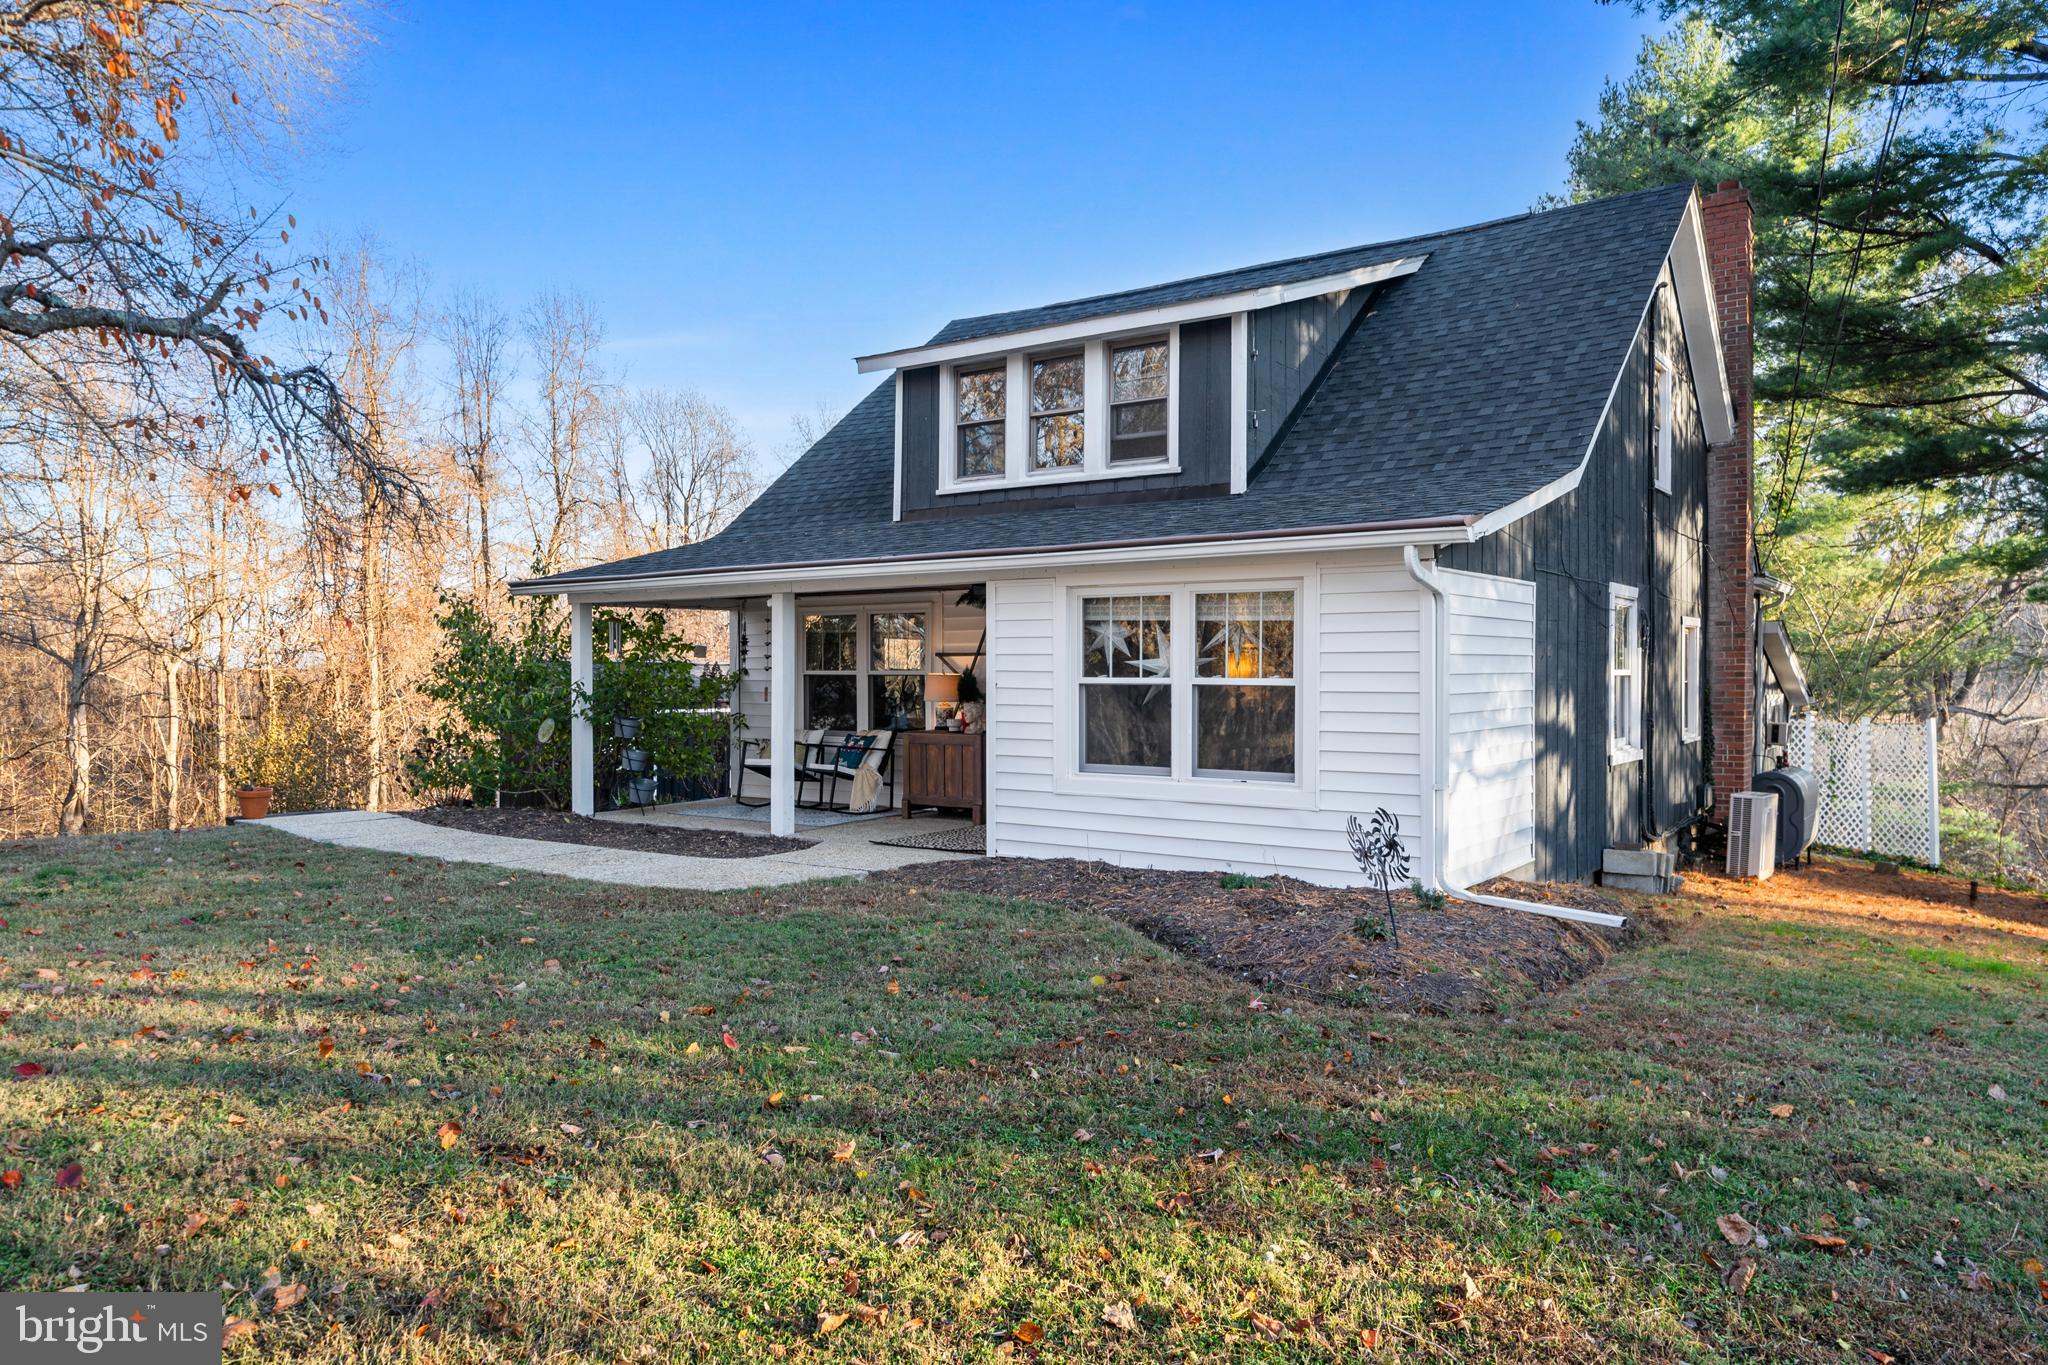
[831, 683]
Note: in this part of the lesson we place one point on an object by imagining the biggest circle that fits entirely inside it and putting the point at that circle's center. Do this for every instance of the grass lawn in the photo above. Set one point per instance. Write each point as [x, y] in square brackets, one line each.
[404, 1111]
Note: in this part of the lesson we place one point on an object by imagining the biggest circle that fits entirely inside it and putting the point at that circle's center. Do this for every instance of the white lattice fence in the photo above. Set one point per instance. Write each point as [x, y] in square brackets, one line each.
[1880, 788]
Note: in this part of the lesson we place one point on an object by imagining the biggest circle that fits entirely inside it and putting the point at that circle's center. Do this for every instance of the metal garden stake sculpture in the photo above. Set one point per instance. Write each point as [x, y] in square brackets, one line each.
[1381, 858]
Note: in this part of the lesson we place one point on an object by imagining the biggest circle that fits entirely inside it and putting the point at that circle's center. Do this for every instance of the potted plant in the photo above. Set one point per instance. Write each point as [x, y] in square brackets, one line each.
[254, 801]
[640, 791]
[626, 727]
[635, 760]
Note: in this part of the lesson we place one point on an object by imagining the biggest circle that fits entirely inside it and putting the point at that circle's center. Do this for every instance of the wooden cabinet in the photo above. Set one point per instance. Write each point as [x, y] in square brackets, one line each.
[942, 768]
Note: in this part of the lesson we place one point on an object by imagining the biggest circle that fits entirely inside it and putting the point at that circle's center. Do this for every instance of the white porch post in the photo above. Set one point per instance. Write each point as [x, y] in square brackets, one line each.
[782, 713]
[582, 748]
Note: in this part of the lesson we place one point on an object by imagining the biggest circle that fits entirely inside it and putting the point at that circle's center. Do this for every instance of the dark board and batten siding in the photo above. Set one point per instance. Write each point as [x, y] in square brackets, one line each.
[1291, 346]
[1204, 401]
[1613, 528]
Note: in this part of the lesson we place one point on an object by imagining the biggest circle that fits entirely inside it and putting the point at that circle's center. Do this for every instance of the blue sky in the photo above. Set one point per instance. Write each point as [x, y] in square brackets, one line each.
[753, 195]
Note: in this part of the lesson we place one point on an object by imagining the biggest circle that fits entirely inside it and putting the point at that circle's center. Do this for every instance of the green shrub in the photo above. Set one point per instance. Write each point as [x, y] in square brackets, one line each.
[508, 698]
[678, 703]
[506, 688]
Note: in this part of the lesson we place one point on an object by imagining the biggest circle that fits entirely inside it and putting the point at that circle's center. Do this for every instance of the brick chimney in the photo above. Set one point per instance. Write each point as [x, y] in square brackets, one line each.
[1731, 513]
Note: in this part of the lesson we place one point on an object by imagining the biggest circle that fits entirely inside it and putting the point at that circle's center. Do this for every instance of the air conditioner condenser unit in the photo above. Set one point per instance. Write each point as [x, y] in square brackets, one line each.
[1752, 834]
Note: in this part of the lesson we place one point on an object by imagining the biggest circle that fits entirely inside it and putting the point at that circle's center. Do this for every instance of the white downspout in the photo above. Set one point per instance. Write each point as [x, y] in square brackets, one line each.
[1436, 743]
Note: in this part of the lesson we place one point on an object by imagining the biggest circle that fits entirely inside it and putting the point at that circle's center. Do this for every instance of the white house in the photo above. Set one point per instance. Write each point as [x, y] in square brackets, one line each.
[1455, 527]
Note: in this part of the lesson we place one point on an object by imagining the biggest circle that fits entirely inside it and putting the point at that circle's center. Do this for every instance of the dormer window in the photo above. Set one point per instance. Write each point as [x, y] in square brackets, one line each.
[1138, 394]
[979, 421]
[1092, 409]
[1059, 430]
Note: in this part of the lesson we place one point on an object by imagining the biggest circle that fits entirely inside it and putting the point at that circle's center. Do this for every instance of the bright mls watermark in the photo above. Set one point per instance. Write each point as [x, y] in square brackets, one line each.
[124, 1329]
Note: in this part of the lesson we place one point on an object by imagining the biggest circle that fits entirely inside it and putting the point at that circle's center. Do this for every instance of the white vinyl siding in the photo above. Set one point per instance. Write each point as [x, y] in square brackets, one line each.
[1359, 657]
[1490, 725]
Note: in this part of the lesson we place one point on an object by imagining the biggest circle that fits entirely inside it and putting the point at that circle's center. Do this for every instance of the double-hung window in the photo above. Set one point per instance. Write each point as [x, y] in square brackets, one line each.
[979, 410]
[1059, 430]
[831, 671]
[896, 670]
[1138, 379]
[1127, 684]
[1624, 675]
[889, 679]
[1244, 685]
[1188, 683]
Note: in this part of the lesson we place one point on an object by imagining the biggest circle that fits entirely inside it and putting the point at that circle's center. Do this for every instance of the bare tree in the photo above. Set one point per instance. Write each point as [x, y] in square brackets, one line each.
[478, 337]
[563, 333]
[126, 125]
[377, 315]
[700, 469]
[68, 573]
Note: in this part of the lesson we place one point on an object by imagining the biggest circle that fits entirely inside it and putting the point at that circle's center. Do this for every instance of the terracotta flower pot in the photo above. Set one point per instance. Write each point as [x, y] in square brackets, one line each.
[255, 802]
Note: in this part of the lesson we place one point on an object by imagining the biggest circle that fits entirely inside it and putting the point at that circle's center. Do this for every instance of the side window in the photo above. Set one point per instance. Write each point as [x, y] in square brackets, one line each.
[1663, 419]
[1624, 676]
[1689, 653]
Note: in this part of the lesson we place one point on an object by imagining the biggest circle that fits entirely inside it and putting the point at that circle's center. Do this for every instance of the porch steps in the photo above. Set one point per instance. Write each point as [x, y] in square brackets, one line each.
[1650, 870]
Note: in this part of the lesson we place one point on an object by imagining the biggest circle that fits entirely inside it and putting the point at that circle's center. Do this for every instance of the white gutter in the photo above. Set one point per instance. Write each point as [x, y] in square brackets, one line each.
[753, 580]
[1436, 740]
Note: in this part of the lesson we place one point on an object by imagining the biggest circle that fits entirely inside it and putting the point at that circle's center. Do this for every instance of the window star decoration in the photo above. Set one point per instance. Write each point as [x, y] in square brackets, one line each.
[1381, 857]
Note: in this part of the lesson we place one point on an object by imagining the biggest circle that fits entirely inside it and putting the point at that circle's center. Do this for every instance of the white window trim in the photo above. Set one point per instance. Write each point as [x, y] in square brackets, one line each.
[1664, 415]
[1017, 471]
[1692, 655]
[1629, 748]
[1180, 784]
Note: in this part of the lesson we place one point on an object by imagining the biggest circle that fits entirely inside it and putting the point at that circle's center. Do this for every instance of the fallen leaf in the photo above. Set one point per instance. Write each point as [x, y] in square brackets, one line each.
[1997, 1092]
[288, 1296]
[1737, 1229]
[1120, 1316]
[830, 1322]
[1030, 1333]
[1782, 1111]
[326, 1048]
[11, 1179]
[1739, 1275]
[727, 1038]
[234, 1329]
[70, 1176]
[26, 1071]
[1826, 1241]
[450, 1133]
[844, 1151]
[1975, 1279]
[1271, 1328]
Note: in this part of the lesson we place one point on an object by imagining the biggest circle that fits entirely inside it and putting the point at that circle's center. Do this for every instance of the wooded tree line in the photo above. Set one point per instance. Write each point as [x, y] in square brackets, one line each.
[217, 567]
[172, 628]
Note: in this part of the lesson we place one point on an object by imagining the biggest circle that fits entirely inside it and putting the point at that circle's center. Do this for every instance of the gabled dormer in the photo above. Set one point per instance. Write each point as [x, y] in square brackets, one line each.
[1171, 391]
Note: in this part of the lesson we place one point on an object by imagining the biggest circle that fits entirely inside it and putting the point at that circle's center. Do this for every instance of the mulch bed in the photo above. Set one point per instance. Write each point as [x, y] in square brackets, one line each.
[563, 828]
[1283, 934]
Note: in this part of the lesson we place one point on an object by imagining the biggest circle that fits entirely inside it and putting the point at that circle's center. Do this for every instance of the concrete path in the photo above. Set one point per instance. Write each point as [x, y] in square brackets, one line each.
[839, 851]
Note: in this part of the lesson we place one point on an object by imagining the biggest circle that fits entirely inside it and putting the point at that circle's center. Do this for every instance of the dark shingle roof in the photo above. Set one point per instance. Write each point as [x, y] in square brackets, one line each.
[1468, 386]
[1179, 291]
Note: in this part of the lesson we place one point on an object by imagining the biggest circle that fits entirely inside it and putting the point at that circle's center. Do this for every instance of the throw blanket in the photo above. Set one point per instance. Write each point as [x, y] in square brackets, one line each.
[867, 787]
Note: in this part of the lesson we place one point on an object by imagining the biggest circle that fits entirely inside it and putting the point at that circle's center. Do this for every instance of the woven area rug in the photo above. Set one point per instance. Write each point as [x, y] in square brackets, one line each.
[967, 839]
